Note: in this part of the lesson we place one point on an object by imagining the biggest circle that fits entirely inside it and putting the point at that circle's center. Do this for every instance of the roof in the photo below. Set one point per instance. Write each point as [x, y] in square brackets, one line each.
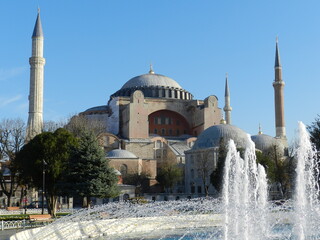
[178, 147]
[120, 153]
[116, 172]
[97, 108]
[138, 140]
[151, 80]
[37, 31]
[212, 136]
[264, 142]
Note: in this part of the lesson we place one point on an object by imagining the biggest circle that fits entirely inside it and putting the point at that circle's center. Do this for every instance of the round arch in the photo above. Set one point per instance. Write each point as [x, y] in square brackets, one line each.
[168, 123]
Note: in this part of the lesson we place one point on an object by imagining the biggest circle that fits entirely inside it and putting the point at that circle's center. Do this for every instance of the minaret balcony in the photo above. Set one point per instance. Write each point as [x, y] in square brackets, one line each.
[37, 60]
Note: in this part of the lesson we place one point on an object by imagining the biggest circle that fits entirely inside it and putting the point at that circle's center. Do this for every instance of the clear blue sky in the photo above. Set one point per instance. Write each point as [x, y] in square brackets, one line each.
[93, 47]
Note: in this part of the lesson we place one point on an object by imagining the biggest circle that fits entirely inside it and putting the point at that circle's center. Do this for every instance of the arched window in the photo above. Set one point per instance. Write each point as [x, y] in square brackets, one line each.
[124, 169]
[126, 197]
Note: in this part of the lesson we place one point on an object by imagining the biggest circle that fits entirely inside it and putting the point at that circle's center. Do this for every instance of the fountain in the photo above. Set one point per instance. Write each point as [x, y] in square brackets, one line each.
[244, 195]
[242, 213]
[306, 200]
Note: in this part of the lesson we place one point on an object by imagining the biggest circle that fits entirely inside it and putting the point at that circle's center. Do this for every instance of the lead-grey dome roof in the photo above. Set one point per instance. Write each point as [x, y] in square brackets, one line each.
[120, 153]
[155, 86]
[265, 142]
[151, 80]
[118, 173]
[97, 109]
[212, 136]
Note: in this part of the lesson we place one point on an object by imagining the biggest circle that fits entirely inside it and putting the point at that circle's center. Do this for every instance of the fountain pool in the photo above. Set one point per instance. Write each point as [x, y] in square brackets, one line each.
[242, 213]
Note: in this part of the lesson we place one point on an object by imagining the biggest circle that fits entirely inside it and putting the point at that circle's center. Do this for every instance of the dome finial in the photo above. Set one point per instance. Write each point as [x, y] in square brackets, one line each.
[151, 69]
[222, 121]
[260, 130]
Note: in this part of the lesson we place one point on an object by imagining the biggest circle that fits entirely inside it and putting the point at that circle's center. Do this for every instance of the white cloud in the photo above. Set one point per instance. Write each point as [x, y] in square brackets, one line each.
[6, 74]
[6, 101]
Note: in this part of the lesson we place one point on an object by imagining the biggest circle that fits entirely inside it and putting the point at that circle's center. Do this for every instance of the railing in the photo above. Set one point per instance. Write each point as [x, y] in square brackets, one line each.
[4, 225]
[33, 211]
[25, 223]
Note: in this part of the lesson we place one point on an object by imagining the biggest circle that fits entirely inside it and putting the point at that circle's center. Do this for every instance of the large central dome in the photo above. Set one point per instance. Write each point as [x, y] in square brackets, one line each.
[148, 80]
[155, 86]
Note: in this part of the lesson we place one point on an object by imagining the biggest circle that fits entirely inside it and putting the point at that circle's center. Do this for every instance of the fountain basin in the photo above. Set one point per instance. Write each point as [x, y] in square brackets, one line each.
[118, 228]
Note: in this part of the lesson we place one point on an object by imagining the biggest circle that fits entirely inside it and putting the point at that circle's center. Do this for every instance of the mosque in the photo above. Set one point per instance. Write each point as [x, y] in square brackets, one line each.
[152, 120]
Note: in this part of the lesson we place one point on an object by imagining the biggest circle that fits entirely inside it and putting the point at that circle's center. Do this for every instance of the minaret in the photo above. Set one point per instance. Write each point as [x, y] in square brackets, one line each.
[36, 61]
[227, 108]
[278, 85]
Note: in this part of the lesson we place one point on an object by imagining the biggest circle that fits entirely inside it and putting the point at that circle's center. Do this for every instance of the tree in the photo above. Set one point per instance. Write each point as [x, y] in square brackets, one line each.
[277, 167]
[78, 124]
[51, 126]
[216, 176]
[48, 152]
[88, 174]
[12, 138]
[140, 180]
[205, 169]
[314, 130]
[168, 175]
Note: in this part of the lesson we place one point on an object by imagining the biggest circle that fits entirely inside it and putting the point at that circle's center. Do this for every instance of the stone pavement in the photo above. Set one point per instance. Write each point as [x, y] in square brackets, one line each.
[6, 234]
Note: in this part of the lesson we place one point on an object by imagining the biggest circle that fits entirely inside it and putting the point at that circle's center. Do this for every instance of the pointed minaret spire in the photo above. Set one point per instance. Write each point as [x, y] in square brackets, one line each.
[277, 59]
[151, 69]
[278, 86]
[226, 92]
[37, 31]
[36, 61]
[227, 108]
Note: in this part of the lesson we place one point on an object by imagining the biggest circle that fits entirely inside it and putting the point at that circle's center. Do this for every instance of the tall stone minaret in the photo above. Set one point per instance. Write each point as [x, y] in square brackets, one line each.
[227, 108]
[278, 85]
[35, 120]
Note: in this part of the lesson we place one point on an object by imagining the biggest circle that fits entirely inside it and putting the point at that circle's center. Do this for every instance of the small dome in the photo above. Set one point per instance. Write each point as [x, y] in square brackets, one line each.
[120, 153]
[212, 136]
[116, 172]
[151, 80]
[265, 142]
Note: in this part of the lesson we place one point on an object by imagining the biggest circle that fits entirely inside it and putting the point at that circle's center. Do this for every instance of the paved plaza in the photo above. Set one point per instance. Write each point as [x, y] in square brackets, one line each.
[6, 234]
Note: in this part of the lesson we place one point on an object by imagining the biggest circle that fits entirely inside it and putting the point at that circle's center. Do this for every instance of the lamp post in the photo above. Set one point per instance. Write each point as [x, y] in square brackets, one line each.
[43, 184]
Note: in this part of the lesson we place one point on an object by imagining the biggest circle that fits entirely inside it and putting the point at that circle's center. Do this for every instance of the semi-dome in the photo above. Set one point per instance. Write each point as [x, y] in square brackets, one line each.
[120, 153]
[265, 142]
[153, 85]
[97, 109]
[212, 136]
